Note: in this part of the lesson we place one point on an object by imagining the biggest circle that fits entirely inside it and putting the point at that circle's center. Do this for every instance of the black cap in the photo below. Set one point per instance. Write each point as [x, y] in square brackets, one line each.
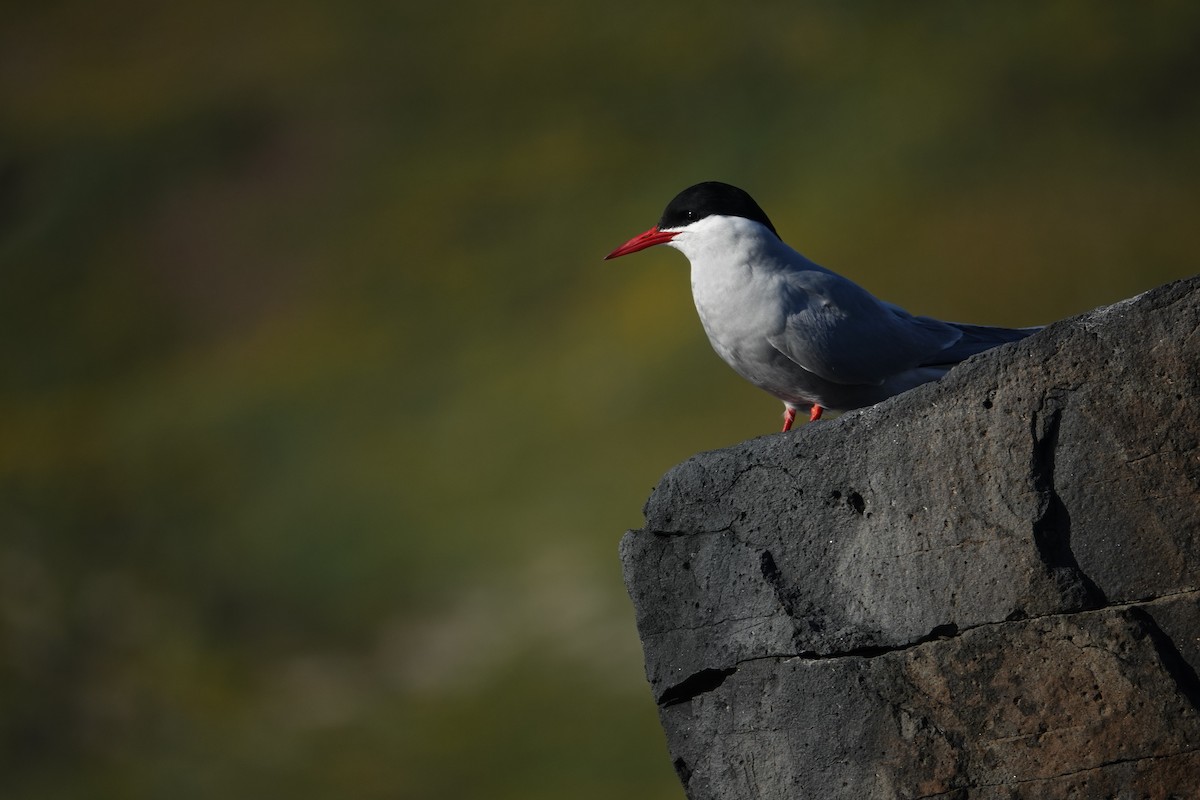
[709, 198]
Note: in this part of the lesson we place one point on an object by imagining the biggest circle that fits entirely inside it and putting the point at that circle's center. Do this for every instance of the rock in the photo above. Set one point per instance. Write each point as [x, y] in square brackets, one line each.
[985, 587]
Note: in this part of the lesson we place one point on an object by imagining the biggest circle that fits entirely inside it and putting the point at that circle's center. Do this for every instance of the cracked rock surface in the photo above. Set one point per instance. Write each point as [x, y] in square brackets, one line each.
[988, 587]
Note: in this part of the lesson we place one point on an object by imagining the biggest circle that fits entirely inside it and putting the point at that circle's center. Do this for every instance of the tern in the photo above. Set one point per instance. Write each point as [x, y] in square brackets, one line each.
[801, 332]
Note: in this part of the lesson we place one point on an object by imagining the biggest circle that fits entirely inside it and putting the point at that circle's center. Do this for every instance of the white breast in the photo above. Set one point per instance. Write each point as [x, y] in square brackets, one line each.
[738, 272]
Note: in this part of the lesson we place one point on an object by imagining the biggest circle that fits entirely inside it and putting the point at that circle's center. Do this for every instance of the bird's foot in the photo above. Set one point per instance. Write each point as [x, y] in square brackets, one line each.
[789, 416]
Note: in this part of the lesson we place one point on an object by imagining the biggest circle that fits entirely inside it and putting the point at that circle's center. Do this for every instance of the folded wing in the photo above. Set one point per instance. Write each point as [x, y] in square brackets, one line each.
[839, 331]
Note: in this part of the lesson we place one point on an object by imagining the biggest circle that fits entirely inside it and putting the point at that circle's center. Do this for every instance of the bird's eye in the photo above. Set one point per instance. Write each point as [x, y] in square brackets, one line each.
[689, 214]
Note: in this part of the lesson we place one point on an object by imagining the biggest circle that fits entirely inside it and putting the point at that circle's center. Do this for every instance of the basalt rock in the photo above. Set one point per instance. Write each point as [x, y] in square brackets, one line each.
[988, 587]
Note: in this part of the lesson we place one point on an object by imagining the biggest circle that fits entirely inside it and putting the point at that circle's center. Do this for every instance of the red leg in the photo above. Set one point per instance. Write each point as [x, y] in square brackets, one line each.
[789, 415]
[815, 413]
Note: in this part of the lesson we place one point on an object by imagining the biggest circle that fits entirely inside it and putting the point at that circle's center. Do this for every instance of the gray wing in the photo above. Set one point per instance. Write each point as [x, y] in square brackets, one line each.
[839, 331]
[976, 339]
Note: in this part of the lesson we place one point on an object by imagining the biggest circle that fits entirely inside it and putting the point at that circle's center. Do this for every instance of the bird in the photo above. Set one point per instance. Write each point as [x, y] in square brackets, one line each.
[814, 339]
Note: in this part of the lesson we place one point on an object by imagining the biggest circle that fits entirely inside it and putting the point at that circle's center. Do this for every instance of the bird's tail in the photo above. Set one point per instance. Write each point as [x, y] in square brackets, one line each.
[976, 339]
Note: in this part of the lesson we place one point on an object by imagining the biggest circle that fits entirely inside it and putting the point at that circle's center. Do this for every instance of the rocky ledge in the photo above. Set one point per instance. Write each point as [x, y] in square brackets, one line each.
[988, 587]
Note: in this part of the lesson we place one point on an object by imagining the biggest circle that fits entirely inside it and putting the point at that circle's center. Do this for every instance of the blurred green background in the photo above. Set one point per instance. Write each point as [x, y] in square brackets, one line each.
[321, 415]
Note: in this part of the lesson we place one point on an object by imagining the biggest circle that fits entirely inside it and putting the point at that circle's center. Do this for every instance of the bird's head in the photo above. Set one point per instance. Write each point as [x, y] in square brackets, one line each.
[700, 211]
